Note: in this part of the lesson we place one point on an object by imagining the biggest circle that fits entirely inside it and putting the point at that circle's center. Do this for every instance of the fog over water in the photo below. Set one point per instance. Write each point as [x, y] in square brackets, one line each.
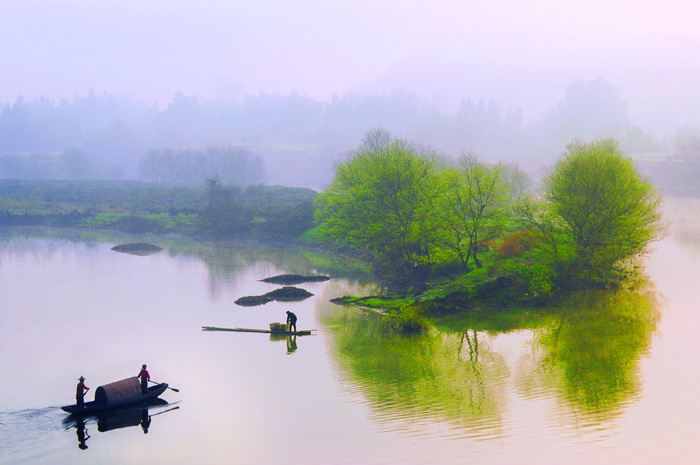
[519, 53]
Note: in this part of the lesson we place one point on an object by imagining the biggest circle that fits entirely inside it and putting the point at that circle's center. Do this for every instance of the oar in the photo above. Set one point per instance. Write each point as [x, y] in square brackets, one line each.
[176, 390]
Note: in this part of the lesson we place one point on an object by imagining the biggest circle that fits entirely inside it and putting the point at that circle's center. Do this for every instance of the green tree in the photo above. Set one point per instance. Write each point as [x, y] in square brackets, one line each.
[75, 165]
[225, 213]
[602, 211]
[380, 201]
[471, 209]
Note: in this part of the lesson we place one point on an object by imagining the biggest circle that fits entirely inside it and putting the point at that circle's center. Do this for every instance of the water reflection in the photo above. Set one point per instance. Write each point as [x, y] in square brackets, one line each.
[585, 353]
[291, 340]
[685, 222]
[82, 432]
[291, 344]
[453, 376]
[495, 387]
[134, 416]
[592, 347]
[226, 261]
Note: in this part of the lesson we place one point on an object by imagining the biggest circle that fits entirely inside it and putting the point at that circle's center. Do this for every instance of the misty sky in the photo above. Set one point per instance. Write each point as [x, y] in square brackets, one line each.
[522, 53]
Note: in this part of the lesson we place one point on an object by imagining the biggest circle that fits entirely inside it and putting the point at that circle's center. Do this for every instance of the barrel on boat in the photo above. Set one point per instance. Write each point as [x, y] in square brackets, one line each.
[119, 391]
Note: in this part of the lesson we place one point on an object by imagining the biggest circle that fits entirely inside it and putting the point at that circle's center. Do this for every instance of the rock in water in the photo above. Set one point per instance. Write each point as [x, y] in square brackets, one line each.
[291, 279]
[253, 300]
[137, 248]
[289, 293]
[284, 294]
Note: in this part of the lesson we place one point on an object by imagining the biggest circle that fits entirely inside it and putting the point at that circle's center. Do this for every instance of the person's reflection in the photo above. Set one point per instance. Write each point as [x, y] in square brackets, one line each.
[82, 433]
[291, 344]
[145, 421]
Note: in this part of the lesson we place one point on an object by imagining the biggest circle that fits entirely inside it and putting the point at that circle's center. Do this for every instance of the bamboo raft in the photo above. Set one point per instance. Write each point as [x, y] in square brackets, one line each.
[306, 332]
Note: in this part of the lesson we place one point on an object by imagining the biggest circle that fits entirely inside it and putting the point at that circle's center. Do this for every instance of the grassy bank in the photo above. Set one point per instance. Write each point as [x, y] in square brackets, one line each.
[140, 207]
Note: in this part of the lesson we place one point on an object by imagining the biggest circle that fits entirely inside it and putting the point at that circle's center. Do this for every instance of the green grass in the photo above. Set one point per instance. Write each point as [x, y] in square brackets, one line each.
[140, 207]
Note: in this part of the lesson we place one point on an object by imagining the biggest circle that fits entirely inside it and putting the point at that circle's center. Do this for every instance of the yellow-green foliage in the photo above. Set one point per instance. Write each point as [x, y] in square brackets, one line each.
[515, 244]
[606, 210]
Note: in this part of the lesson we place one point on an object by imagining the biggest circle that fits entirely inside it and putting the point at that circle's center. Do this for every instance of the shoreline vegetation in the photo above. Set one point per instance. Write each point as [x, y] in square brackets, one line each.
[211, 210]
[462, 235]
[442, 235]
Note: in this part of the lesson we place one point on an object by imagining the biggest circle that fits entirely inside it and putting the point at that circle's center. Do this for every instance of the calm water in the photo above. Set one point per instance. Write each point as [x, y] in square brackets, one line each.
[604, 378]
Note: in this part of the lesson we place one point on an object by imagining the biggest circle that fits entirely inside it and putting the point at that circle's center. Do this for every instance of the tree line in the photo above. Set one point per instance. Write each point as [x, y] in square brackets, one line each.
[228, 164]
[419, 215]
[207, 209]
[114, 133]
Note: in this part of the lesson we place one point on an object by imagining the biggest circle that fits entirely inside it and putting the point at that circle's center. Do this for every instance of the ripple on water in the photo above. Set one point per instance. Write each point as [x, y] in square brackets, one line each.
[24, 433]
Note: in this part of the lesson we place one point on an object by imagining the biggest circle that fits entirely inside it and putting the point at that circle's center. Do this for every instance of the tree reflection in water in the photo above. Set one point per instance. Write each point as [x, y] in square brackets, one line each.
[454, 376]
[592, 349]
[585, 351]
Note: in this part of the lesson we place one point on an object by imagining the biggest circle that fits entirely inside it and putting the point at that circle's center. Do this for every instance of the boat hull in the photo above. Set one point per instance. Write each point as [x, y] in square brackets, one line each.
[94, 406]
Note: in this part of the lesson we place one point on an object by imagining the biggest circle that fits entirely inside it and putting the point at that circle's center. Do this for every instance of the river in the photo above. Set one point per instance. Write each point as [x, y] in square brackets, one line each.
[605, 377]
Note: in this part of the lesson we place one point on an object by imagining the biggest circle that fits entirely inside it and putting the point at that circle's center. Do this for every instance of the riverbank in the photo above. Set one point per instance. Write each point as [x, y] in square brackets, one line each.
[157, 208]
[272, 215]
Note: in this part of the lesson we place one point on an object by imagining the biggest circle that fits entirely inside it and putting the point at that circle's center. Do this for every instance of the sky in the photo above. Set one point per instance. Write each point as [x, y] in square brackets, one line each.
[521, 53]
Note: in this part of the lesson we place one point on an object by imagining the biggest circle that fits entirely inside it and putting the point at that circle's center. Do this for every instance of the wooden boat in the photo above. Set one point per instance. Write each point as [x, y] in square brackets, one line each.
[118, 418]
[117, 394]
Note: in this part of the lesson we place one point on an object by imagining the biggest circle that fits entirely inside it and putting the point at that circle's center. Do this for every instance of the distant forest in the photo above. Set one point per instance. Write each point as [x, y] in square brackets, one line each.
[292, 139]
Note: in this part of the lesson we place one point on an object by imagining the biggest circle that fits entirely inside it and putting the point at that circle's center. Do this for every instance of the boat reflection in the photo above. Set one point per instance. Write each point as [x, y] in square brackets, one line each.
[131, 416]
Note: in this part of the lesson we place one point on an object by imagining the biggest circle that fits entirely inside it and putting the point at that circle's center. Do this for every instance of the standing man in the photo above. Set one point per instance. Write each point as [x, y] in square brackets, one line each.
[145, 377]
[291, 321]
[80, 391]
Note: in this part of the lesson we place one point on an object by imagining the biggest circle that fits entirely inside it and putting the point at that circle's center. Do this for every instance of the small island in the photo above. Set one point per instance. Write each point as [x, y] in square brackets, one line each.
[284, 294]
[253, 300]
[137, 248]
[467, 237]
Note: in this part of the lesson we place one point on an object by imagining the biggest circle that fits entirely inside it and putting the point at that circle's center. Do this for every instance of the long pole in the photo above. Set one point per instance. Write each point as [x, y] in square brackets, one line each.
[176, 390]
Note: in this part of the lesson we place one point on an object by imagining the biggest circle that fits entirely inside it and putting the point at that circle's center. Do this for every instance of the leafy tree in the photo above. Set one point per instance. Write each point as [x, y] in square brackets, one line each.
[229, 164]
[471, 207]
[233, 165]
[37, 165]
[602, 210]
[225, 213]
[75, 165]
[380, 201]
[590, 109]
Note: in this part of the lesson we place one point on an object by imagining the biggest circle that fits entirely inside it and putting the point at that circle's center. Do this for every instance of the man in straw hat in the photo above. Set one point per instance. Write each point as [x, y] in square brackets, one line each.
[80, 391]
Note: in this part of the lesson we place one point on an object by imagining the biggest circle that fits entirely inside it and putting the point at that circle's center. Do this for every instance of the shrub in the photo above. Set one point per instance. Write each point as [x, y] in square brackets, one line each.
[410, 319]
[515, 244]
